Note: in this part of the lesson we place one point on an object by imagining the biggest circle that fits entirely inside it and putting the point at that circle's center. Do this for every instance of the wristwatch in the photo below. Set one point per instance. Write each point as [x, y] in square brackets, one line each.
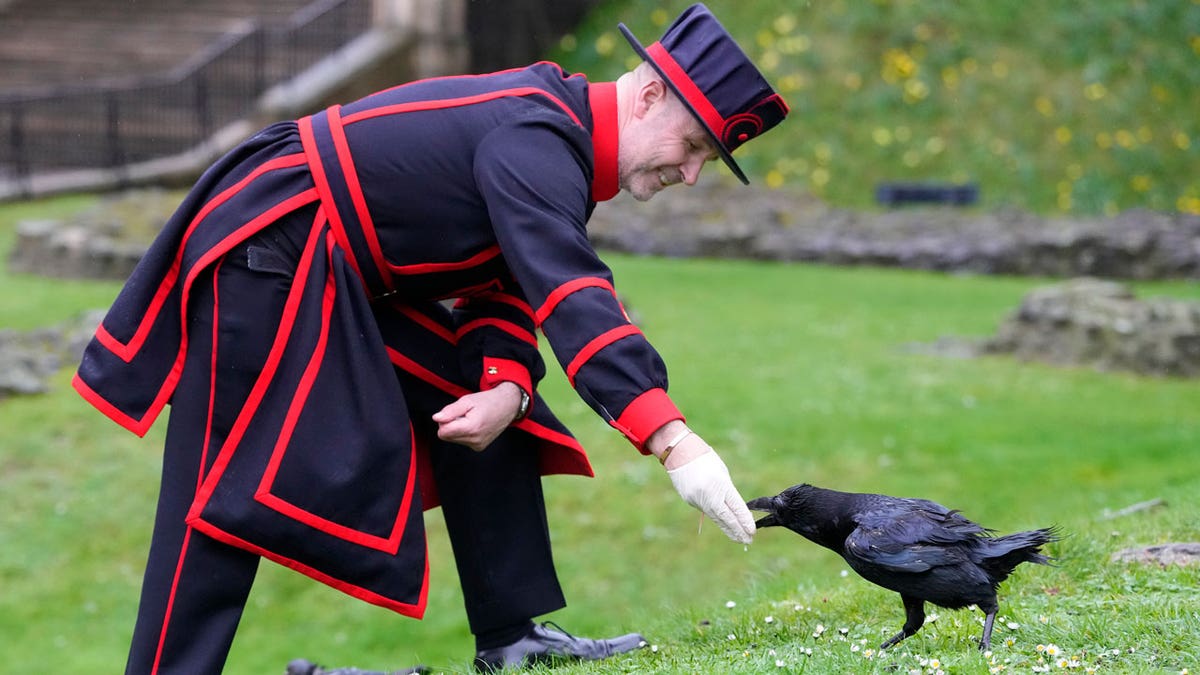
[524, 409]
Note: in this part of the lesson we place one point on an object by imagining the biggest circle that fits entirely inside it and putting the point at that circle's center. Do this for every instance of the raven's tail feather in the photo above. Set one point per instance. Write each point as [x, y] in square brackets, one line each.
[1001, 555]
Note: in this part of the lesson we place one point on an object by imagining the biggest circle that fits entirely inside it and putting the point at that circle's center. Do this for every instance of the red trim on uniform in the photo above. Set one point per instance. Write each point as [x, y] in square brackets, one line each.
[427, 323]
[413, 610]
[282, 333]
[438, 104]
[212, 372]
[433, 268]
[559, 294]
[139, 427]
[350, 173]
[597, 343]
[553, 462]
[263, 495]
[317, 168]
[424, 374]
[126, 351]
[497, 370]
[162, 634]
[602, 97]
[506, 326]
[646, 414]
[511, 300]
[688, 88]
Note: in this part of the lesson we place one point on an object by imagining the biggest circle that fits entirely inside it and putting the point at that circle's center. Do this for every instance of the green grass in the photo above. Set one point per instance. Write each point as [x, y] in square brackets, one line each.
[1051, 107]
[794, 373]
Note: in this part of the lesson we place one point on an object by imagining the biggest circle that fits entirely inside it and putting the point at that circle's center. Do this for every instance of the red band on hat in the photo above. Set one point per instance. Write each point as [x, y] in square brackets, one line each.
[688, 88]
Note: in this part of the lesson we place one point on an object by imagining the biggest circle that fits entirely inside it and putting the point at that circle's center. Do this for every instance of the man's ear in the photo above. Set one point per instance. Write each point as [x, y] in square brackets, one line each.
[651, 93]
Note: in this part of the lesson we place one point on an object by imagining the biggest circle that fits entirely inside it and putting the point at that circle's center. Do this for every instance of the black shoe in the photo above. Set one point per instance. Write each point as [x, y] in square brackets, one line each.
[306, 667]
[543, 644]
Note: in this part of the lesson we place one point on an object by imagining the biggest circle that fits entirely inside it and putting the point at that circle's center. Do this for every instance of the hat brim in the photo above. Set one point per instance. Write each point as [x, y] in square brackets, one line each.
[723, 151]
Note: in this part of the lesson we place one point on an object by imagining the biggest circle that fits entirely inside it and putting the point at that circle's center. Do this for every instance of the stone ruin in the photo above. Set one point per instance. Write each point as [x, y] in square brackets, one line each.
[1098, 323]
[28, 359]
[102, 242]
[721, 219]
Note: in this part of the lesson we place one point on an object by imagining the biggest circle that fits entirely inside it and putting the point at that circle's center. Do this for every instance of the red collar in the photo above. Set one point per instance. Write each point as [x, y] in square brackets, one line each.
[602, 96]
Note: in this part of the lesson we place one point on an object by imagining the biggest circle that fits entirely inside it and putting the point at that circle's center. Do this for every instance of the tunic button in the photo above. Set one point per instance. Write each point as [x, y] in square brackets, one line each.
[492, 370]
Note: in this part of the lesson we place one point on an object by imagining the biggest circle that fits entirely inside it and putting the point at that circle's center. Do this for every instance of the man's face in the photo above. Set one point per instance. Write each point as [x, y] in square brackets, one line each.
[663, 146]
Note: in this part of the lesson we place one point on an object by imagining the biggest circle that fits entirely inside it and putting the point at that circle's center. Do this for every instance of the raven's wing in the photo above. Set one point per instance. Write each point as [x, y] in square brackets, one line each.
[912, 536]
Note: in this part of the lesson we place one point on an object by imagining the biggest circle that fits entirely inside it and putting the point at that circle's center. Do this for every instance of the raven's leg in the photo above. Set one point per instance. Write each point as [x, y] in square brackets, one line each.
[914, 618]
[985, 643]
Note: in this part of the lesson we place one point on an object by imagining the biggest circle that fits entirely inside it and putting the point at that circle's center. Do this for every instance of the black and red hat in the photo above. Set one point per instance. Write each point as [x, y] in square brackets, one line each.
[714, 78]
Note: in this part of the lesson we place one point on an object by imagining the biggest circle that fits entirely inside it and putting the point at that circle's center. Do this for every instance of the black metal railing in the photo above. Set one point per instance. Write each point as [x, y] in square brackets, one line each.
[111, 123]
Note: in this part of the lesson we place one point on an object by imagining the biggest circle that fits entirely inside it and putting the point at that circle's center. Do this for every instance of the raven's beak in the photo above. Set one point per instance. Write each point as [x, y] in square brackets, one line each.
[763, 504]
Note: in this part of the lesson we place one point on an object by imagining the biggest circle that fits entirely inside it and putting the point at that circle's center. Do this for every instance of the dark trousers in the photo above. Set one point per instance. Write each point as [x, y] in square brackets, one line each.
[195, 588]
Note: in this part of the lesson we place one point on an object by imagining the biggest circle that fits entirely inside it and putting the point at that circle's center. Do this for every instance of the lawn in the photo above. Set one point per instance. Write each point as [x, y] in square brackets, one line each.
[796, 373]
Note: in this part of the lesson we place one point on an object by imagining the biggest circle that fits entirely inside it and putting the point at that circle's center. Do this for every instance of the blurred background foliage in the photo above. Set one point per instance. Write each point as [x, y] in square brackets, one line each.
[1087, 108]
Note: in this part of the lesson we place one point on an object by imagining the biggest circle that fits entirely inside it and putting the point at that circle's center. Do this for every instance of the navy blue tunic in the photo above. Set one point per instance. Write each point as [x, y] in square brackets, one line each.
[470, 190]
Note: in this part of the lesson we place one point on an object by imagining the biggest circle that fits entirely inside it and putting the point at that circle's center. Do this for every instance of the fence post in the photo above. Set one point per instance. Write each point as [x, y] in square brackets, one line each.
[16, 139]
[112, 133]
[203, 107]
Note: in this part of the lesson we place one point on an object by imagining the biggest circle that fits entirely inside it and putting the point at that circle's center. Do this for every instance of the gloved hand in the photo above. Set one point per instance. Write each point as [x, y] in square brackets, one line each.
[704, 483]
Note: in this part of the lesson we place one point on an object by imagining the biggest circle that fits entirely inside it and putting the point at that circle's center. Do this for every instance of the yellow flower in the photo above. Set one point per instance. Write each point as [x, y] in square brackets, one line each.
[1188, 205]
[898, 64]
[1104, 140]
[823, 152]
[882, 136]
[1181, 140]
[1000, 69]
[1044, 106]
[1062, 135]
[605, 44]
[1095, 91]
[911, 159]
[935, 145]
[969, 65]
[950, 77]
[1125, 138]
[820, 177]
[774, 178]
[915, 90]
[659, 17]
[784, 24]
[1140, 183]
[766, 39]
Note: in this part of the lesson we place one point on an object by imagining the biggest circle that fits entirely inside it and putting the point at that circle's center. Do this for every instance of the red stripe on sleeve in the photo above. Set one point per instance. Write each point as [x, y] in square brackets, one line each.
[559, 294]
[599, 342]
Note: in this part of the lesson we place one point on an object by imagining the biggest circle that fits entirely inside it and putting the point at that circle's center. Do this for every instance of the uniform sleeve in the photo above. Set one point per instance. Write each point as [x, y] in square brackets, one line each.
[535, 177]
[497, 341]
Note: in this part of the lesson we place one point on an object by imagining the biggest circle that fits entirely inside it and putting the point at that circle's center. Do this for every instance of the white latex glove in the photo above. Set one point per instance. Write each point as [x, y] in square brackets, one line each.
[704, 483]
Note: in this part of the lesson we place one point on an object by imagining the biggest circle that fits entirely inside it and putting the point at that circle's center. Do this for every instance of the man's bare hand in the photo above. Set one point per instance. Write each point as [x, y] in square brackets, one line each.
[475, 420]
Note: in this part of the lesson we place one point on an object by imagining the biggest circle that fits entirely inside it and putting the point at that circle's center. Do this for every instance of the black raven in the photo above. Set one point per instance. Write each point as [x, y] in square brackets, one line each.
[918, 548]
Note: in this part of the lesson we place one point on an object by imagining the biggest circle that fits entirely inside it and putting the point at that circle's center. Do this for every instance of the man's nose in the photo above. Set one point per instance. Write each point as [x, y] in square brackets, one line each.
[691, 171]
